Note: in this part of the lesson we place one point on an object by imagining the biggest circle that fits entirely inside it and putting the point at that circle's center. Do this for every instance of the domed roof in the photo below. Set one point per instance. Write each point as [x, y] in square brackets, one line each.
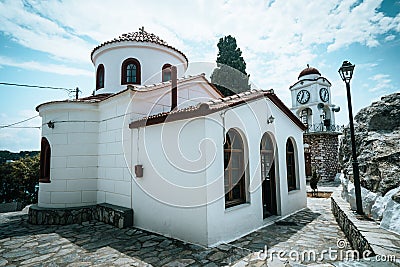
[139, 36]
[308, 70]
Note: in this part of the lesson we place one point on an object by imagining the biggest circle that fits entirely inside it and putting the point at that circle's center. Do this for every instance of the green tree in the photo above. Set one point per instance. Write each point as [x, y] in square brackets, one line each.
[7, 185]
[19, 180]
[230, 76]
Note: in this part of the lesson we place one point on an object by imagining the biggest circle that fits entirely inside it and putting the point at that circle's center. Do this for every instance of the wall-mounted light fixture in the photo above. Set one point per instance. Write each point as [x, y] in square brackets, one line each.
[139, 171]
[50, 124]
[270, 119]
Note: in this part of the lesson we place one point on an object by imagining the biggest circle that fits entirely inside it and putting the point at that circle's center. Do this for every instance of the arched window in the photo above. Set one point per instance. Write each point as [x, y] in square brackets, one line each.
[291, 166]
[100, 77]
[268, 182]
[267, 155]
[130, 71]
[45, 154]
[234, 173]
[166, 72]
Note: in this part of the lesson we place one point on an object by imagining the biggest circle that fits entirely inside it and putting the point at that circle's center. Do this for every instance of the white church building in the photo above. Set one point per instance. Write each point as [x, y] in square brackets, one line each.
[190, 163]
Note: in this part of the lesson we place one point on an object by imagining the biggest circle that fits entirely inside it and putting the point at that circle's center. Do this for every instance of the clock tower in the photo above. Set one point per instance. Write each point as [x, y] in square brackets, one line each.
[312, 104]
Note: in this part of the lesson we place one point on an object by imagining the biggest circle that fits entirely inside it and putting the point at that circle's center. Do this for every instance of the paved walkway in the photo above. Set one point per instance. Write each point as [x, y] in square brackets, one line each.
[99, 244]
[300, 238]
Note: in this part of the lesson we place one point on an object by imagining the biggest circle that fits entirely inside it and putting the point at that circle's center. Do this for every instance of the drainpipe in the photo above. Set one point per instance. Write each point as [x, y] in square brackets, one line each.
[174, 88]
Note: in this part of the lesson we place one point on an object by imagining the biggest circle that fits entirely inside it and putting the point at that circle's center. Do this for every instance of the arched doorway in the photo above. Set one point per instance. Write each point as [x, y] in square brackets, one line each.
[268, 176]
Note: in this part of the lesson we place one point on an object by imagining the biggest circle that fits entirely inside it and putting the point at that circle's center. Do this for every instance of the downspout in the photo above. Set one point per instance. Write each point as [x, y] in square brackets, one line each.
[174, 88]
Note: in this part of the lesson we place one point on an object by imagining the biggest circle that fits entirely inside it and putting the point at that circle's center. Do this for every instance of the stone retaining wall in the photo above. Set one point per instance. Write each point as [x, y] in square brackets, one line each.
[117, 216]
[365, 235]
[356, 239]
[10, 207]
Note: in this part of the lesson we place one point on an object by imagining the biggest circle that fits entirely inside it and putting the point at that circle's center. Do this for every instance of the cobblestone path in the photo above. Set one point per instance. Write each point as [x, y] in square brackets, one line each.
[98, 244]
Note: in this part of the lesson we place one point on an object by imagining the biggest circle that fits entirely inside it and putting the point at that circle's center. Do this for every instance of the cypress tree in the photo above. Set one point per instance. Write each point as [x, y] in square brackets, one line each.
[230, 76]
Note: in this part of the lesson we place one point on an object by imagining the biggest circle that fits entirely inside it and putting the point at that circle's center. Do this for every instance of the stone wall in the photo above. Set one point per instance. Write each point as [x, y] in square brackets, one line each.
[324, 153]
[365, 235]
[354, 236]
[114, 215]
[10, 207]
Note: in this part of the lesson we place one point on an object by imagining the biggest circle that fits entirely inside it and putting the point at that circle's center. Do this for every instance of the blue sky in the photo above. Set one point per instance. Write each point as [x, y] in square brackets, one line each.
[48, 43]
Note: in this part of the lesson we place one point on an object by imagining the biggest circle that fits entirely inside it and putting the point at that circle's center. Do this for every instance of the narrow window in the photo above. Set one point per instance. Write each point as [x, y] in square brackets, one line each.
[166, 72]
[267, 156]
[234, 174]
[100, 77]
[290, 165]
[45, 154]
[130, 71]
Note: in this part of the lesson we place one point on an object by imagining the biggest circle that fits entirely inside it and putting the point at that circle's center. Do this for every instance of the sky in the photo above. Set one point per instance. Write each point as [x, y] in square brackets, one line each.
[48, 43]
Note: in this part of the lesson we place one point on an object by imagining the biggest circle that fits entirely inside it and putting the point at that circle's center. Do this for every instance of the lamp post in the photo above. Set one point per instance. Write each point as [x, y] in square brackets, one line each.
[346, 73]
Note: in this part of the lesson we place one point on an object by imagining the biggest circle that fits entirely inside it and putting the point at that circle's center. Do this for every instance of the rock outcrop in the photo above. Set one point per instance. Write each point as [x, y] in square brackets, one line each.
[377, 133]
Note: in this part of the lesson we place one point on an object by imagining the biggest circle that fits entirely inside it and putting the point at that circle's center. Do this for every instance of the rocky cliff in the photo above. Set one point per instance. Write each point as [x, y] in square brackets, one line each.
[377, 133]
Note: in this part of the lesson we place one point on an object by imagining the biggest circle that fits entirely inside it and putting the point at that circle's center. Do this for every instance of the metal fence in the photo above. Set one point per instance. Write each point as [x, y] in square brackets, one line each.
[314, 128]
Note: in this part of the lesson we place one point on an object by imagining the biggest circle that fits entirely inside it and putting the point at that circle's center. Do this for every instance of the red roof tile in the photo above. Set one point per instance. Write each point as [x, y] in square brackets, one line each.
[139, 36]
[212, 106]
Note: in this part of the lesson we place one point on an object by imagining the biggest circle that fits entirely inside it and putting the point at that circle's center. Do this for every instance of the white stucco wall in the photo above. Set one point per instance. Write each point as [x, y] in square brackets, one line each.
[151, 56]
[114, 180]
[73, 164]
[181, 193]
[157, 99]
[228, 224]
[91, 143]
[183, 182]
[168, 198]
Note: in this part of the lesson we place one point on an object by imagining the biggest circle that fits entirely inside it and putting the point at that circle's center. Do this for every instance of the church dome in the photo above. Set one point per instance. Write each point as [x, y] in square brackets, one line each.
[309, 70]
[136, 58]
[139, 36]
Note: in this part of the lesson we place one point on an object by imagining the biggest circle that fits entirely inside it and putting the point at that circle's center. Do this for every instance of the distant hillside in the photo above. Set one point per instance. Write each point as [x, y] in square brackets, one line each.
[7, 155]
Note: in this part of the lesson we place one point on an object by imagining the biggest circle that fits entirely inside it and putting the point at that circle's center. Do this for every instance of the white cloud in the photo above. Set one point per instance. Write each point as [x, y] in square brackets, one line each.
[282, 27]
[40, 33]
[382, 83]
[390, 37]
[277, 38]
[378, 77]
[14, 139]
[44, 67]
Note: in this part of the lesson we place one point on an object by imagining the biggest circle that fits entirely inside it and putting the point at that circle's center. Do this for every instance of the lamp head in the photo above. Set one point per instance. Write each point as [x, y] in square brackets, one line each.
[346, 71]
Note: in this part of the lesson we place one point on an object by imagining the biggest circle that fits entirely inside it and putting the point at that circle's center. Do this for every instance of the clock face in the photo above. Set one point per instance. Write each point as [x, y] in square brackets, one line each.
[324, 94]
[303, 96]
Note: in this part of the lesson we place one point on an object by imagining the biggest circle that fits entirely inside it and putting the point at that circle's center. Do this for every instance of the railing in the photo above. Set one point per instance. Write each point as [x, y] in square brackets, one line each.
[314, 128]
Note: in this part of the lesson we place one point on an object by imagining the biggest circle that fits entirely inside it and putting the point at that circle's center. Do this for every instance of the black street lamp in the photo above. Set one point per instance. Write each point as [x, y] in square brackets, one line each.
[346, 73]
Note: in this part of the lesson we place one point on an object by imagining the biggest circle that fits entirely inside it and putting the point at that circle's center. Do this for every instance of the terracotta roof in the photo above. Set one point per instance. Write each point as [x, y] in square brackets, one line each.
[139, 36]
[138, 88]
[151, 87]
[308, 70]
[98, 97]
[88, 99]
[215, 105]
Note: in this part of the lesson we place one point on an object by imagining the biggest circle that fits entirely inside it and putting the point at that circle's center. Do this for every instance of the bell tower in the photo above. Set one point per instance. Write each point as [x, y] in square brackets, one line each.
[312, 104]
